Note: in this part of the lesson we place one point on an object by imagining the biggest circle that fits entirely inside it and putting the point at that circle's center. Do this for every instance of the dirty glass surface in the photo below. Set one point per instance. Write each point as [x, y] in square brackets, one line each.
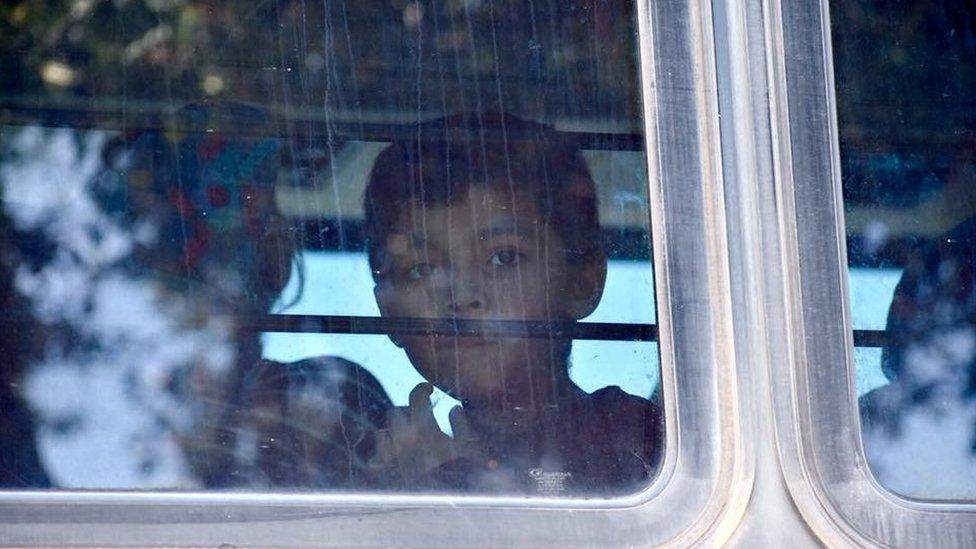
[325, 246]
[906, 98]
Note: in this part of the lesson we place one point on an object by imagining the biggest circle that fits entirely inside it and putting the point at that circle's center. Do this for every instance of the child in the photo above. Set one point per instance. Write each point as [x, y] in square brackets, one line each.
[204, 194]
[489, 217]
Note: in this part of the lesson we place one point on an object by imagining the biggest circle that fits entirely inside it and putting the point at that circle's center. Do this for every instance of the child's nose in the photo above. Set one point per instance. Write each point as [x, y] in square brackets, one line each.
[466, 298]
[463, 305]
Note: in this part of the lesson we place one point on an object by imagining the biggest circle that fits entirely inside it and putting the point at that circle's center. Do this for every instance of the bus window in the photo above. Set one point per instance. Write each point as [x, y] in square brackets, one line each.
[358, 246]
[905, 80]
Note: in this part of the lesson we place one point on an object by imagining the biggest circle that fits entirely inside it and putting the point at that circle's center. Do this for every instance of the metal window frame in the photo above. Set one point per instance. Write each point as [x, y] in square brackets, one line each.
[817, 421]
[703, 486]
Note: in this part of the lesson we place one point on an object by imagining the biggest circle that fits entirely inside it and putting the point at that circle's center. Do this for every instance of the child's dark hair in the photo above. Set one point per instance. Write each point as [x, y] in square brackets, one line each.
[440, 160]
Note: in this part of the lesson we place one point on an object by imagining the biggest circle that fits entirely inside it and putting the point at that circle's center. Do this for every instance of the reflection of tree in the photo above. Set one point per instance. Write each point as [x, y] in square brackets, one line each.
[905, 74]
[929, 408]
[104, 385]
[143, 257]
[401, 57]
[19, 338]
[214, 244]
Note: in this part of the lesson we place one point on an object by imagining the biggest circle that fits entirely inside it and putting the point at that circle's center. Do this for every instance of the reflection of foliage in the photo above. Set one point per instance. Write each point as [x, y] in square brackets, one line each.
[935, 300]
[72, 272]
[19, 342]
[906, 96]
[214, 242]
[930, 360]
[400, 57]
[141, 259]
[905, 71]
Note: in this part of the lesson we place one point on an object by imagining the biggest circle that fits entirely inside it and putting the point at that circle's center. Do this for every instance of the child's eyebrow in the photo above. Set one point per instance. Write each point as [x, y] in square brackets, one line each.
[504, 226]
[420, 241]
[401, 243]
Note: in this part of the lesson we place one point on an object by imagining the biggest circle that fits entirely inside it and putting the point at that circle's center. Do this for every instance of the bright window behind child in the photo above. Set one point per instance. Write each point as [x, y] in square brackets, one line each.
[382, 246]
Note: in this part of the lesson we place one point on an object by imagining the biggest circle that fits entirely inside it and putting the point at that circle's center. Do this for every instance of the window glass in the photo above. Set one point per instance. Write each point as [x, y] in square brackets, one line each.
[906, 91]
[311, 246]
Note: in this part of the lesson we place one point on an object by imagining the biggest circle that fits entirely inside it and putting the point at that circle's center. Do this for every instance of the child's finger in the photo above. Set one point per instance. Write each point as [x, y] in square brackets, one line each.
[421, 411]
[420, 396]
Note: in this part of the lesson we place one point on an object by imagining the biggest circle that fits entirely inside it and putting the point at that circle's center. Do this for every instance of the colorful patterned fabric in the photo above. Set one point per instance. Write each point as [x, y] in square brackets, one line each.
[204, 193]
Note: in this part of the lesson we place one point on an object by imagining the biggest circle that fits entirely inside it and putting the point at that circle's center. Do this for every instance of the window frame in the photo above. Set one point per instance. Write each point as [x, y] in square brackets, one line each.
[703, 485]
[817, 419]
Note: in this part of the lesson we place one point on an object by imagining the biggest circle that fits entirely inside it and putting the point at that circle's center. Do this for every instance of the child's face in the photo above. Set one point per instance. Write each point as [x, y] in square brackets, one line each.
[488, 255]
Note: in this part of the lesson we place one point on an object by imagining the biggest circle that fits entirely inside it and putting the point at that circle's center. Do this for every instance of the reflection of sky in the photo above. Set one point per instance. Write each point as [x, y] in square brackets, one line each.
[103, 412]
[871, 293]
[340, 283]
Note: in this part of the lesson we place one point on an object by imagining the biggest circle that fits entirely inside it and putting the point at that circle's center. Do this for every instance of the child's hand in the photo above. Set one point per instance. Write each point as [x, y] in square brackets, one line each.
[414, 448]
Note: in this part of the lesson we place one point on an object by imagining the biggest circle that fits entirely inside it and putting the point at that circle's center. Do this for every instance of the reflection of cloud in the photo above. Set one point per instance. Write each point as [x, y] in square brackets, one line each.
[942, 361]
[44, 173]
[931, 456]
[919, 430]
[107, 394]
[112, 443]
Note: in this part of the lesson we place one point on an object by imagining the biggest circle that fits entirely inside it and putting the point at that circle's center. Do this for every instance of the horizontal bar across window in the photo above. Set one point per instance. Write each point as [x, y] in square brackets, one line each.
[871, 338]
[287, 126]
[339, 324]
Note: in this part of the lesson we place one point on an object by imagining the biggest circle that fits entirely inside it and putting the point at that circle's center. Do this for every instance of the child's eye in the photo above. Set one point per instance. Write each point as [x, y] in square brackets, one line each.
[505, 258]
[420, 270]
